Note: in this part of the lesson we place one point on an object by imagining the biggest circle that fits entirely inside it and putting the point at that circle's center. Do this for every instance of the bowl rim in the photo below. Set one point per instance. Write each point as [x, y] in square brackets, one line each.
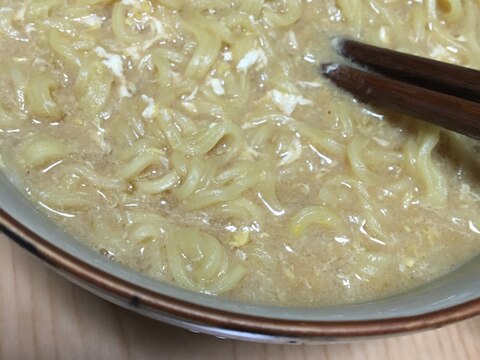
[140, 298]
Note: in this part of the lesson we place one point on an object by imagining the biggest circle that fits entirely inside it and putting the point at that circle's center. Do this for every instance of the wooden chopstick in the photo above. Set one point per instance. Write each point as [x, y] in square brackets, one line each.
[432, 74]
[436, 102]
[448, 111]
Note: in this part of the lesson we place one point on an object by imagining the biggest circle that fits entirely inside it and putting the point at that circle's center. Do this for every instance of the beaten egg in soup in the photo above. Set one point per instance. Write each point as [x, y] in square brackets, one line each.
[196, 142]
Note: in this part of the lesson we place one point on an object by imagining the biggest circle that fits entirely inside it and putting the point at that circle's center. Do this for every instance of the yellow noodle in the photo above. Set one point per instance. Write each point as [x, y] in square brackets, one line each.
[211, 269]
[321, 216]
[38, 93]
[196, 142]
[41, 151]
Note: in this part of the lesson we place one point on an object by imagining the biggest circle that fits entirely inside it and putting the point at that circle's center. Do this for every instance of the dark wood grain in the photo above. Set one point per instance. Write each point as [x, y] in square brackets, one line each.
[439, 76]
[450, 112]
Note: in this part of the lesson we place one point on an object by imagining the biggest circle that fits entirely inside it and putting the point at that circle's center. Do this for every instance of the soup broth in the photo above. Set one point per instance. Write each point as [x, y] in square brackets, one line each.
[196, 142]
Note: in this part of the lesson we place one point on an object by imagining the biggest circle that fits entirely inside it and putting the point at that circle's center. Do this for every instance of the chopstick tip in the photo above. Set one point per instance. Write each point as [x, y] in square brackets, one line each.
[329, 68]
[338, 43]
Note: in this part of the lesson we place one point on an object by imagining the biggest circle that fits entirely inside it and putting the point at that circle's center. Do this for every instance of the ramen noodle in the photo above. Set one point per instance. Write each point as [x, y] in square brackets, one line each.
[196, 142]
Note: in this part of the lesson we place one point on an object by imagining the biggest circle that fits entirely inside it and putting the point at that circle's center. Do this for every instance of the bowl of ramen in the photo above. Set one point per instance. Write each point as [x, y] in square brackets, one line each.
[186, 160]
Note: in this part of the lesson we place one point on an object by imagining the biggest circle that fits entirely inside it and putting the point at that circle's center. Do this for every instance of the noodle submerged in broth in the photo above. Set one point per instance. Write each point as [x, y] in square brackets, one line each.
[195, 142]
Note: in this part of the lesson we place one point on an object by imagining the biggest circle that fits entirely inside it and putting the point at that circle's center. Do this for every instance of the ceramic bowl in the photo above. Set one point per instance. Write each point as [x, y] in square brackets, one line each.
[453, 297]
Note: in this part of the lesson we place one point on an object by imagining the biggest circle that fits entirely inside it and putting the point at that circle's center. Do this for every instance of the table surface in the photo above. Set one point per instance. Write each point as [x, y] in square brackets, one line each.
[43, 316]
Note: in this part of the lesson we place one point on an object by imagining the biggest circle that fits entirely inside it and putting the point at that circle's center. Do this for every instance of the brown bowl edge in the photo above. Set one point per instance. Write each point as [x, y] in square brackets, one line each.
[139, 297]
